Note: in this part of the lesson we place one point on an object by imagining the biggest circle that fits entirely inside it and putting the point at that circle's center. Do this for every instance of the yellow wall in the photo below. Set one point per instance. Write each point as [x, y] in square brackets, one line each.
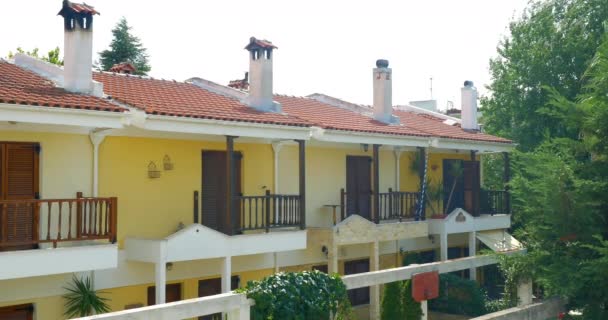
[48, 308]
[153, 208]
[65, 162]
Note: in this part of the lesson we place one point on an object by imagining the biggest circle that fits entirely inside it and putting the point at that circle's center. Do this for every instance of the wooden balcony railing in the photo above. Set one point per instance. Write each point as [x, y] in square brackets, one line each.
[29, 222]
[267, 211]
[494, 201]
[398, 205]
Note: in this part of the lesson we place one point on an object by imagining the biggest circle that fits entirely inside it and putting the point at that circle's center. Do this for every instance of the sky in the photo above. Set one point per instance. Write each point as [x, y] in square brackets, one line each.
[324, 46]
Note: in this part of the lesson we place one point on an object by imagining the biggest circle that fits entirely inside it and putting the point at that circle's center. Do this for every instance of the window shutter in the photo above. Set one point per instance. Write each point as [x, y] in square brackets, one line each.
[19, 181]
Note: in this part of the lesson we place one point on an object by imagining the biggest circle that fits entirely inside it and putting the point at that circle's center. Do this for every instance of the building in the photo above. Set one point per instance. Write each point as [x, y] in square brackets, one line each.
[195, 187]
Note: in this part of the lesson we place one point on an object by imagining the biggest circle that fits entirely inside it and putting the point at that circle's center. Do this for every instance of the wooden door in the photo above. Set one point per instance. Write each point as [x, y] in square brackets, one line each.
[212, 287]
[453, 182]
[19, 312]
[173, 292]
[18, 181]
[214, 186]
[359, 185]
[472, 183]
[358, 296]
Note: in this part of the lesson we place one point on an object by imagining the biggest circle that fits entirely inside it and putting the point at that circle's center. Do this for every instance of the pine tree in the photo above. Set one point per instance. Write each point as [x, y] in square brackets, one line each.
[411, 309]
[125, 47]
[391, 301]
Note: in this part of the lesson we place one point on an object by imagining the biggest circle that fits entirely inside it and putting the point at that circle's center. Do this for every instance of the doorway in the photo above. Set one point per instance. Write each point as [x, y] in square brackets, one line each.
[359, 186]
[214, 187]
[19, 312]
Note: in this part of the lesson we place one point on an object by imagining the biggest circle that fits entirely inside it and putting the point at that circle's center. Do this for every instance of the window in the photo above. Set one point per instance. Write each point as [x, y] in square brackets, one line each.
[357, 296]
[173, 293]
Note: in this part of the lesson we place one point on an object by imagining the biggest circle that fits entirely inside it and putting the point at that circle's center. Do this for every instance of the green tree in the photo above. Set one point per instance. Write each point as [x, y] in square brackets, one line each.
[52, 56]
[125, 47]
[392, 307]
[411, 309]
[549, 47]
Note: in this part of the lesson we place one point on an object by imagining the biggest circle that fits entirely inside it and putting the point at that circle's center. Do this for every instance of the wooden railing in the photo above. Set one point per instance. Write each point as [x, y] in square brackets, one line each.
[268, 211]
[494, 201]
[29, 222]
[392, 205]
[398, 205]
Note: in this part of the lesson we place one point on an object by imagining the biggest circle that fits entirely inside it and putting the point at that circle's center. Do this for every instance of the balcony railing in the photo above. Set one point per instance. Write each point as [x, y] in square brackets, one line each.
[28, 222]
[494, 202]
[268, 211]
[392, 205]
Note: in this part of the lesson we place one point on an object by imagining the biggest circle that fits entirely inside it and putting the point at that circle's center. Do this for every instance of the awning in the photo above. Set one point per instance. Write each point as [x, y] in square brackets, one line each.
[499, 240]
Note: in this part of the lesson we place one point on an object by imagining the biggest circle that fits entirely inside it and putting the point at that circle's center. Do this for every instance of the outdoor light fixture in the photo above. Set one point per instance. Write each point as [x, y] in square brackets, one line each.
[167, 164]
[365, 147]
[153, 172]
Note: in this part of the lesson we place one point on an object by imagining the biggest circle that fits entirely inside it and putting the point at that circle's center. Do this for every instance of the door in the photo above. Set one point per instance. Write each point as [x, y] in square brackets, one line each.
[18, 181]
[211, 287]
[453, 184]
[358, 296]
[359, 186]
[173, 292]
[471, 187]
[19, 312]
[214, 190]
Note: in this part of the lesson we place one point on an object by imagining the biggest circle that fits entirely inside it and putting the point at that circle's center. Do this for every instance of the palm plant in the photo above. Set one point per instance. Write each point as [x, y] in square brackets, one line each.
[455, 171]
[83, 300]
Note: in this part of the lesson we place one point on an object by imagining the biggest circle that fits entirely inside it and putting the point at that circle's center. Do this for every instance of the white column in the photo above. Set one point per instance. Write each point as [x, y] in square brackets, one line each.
[276, 148]
[443, 245]
[524, 293]
[96, 138]
[397, 153]
[472, 252]
[374, 265]
[276, 262]
[161, 273]
[226, 274]
[425, 309]
[332, 256]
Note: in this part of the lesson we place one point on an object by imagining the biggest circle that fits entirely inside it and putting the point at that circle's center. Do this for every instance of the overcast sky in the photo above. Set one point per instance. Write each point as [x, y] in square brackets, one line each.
[325, 46]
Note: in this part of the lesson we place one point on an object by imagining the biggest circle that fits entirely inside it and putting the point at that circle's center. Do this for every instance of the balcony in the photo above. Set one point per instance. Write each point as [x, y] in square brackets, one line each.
[50, 236]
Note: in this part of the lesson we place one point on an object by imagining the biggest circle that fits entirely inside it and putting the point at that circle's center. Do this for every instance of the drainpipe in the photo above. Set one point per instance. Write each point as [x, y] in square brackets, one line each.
[97, 137]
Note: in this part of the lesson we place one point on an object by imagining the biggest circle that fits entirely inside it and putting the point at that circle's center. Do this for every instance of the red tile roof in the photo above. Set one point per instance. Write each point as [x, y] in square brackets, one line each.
[20, 86]
[124, 67]
[259, 43]
[181, 99]
[78, 8]
[330, 117]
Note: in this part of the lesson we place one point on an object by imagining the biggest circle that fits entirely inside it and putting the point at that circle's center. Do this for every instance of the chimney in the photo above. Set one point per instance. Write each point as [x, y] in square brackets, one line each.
[78, 46]
[383, 93]
[260, 76]
[469, 107]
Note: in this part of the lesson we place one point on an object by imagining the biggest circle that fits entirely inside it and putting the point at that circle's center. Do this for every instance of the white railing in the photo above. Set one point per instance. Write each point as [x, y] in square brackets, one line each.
[236, 305]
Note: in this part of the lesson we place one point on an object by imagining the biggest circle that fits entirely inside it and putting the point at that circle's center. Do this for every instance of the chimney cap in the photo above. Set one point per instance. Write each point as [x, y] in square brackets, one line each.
[468, 83]
[255, 44]
[382, 63]
[76, 8]
[124, 67]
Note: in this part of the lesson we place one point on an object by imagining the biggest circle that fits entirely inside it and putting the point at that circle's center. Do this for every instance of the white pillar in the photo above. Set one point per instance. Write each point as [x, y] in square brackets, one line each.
[524, 293]
[96, 138]
[397, 169]
[161, 273]
[425, 309]
[443, 245]
[332, 256]
[374, 265]
[226, 274]
[472, 252]
[276, 262]
[276, 148]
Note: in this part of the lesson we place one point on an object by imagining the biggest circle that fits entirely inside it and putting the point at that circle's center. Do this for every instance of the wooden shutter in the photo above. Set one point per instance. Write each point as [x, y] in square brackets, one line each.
[173, 293]
[358, 186]
[19, 181]
[471, 187]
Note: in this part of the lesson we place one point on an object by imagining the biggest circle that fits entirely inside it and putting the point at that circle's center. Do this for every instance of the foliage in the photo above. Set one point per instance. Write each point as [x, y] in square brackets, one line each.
[82, 300]
[455, 170]
[411, 309]
[392, 306]
[51, 57]
[550, 46]
[458, 296]
[298, 296]
[125, 47]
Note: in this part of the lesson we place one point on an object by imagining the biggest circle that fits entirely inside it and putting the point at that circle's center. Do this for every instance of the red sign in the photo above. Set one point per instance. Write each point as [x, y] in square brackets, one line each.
[425, 286]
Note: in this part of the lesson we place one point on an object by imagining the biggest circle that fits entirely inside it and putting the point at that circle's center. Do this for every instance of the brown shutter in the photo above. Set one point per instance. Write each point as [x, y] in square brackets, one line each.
[19, 181]
[471, 187]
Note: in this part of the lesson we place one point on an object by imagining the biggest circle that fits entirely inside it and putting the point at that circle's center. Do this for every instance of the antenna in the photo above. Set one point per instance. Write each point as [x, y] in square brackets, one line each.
[431, 87]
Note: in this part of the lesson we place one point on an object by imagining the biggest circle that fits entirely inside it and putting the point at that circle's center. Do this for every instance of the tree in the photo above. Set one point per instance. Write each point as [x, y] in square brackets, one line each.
[549, 47]
[125, 47]
[392, 307]
[411, 309]
[51, 57]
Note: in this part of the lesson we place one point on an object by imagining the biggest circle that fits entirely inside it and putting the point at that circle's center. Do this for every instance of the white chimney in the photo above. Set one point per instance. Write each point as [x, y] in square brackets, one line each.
[469, 107]
[78, 46]
[383, 93]
[260, 76]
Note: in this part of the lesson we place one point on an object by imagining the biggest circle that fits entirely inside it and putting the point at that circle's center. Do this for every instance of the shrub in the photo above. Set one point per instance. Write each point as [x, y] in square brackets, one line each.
[82, 300]
[392, 306]
[298, 296]
[458, 296]
[411, 309]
